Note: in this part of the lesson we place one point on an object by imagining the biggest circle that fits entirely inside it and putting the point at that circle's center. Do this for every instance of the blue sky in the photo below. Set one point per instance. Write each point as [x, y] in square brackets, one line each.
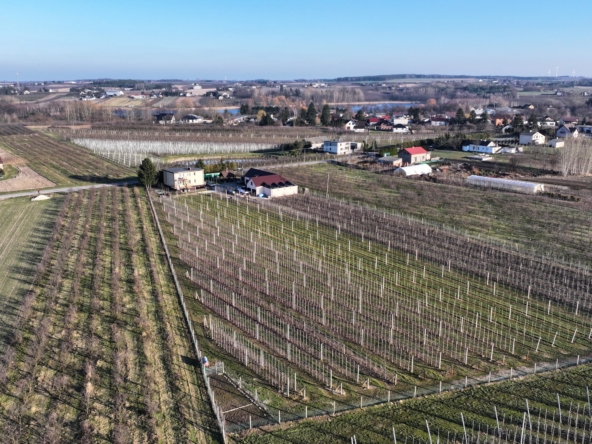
[150, 39]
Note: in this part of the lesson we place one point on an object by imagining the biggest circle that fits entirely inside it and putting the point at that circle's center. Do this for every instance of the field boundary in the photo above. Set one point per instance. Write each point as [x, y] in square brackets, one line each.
[217, 411]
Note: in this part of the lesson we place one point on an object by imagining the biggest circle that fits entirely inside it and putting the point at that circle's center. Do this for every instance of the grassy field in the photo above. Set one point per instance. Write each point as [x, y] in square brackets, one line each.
[9, 172]
[554, 226]
[25, 228]
[63, 163]
[443, 415]
[100, 353]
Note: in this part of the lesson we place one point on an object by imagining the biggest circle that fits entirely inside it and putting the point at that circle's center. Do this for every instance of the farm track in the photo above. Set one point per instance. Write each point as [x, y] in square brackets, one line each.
[99, 355]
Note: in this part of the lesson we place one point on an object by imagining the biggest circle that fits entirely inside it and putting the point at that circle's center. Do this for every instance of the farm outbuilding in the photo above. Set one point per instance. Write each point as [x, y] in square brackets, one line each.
[413, 170]
[517, 186]
[391, 161]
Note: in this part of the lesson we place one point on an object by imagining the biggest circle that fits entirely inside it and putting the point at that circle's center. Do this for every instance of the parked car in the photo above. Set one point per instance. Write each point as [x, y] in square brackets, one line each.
[262, 196]
[230, 192]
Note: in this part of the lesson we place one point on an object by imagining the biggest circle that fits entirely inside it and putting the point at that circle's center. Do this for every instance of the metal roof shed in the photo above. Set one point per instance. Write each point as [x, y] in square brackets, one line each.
[517, 186]
[413, 170]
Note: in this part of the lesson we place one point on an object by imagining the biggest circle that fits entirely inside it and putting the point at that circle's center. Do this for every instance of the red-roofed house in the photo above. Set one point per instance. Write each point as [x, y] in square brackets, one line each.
[373, 121]
[272, 185]
[413, 155]
[439, 121]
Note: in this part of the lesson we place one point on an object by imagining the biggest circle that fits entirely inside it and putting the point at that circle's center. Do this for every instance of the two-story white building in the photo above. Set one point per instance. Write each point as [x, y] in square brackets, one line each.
[184, 178]
[532, 138]
[337, 147]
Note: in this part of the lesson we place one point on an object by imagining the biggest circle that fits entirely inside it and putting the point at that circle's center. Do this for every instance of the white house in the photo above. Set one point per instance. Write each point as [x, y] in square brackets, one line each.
[184, 178]
[271, 185]
[400, 120]
[350, 126]
[113, 93]
[482, 146]
[191, 118]
[531, 138]
[567, 132]
[547, 122]
[399, 128]
[337, 147]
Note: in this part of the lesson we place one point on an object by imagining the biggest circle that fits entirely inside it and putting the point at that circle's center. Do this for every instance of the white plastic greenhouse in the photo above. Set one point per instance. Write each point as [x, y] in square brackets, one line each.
[413, 170]
[506, 184]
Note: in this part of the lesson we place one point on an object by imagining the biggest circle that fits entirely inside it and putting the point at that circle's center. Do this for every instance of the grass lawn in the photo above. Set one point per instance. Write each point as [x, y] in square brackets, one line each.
[9, 172]
[558, 227]
[25, 228]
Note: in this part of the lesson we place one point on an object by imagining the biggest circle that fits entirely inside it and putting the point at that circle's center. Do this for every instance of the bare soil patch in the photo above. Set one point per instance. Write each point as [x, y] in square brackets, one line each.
[26, 179]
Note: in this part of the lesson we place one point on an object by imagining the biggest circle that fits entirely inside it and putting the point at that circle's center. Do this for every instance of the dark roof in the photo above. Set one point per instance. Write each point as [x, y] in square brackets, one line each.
[400, 125]
[164, 117]
[273, 181]
[226, 174]
[191, 117]
[254, 172]
[181, 169]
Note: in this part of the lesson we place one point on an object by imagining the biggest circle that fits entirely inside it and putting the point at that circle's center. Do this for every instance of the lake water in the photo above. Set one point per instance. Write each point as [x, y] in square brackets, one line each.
[372, 107]
[233, 111]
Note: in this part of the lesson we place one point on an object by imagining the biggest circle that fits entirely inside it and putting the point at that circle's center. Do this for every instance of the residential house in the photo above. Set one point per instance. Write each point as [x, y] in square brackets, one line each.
[568, 121]
[191, 118]
[439, 121]
[350, 125]
[164, 118]
[400, 120]
[271, 185]
[401, 129]
[227, 175]
[481, 146]
[183, 178]
[531, 138]
[567, 132]
[113, 93]
[499, 120]
[254, 172]
[372, 121]
[585, 130]
[413, 155]
[337, 147]
[547, 122]
[384, 125]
